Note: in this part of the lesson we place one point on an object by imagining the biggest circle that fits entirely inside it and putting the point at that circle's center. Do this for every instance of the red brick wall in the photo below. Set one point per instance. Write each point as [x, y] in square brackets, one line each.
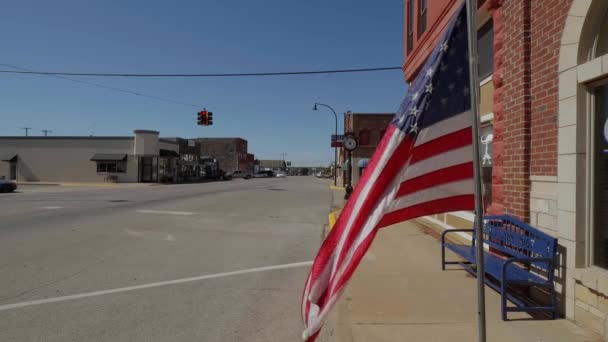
[527, 43]
[548, 21]
[516, 104]
[495, 9]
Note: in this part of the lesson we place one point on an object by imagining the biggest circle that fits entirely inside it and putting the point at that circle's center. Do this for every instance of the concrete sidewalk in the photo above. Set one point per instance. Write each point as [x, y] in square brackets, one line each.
[399, 293]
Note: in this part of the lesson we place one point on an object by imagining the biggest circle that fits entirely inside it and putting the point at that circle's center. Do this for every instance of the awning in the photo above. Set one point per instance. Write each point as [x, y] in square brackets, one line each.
[8, 157]
[362, 162]
[168, 153]
[109, 157]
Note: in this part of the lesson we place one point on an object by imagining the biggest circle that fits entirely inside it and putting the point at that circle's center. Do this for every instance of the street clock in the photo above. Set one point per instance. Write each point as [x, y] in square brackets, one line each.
[350, 143]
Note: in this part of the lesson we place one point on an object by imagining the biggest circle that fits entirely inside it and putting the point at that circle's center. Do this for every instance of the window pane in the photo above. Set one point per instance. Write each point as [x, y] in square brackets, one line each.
[486, 137]
[410, 26]
[422, 10]
[121, 167]
[364, 137]
[485, 48]
[600, 178]
[101, 167]
[602, 38]
[111, 167]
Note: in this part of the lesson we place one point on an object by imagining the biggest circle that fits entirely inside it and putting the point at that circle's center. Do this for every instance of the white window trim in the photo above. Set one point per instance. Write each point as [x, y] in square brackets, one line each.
[487, 117]
[485, 81]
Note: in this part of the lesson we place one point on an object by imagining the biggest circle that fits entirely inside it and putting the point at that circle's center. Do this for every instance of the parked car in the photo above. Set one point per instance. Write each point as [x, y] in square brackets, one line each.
[264, 174]
[280, 175]
[7, 186]
[241, 174]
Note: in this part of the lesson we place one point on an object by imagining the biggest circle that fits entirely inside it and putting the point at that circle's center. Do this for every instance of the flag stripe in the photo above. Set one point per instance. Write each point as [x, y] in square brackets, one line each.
[441, 176]
[461, 187]
[456, 203]
[438, 162]
[440, 145]
[443, 127]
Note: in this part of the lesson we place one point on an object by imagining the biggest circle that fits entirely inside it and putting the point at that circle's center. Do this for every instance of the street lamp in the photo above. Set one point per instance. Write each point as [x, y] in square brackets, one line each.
[336, 147]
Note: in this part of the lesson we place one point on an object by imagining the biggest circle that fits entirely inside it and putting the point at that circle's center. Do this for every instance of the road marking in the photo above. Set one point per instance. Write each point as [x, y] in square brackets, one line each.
[166, 212]
[51, 208]
[134, 233]
[150, 285]
[170, 238]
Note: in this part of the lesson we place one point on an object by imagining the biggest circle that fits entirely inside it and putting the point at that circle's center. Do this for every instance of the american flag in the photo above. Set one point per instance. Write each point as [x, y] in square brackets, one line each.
[422, 166]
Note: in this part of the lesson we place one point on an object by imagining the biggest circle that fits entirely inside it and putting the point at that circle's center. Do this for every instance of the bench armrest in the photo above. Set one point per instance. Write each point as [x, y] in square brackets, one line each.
[529, 260]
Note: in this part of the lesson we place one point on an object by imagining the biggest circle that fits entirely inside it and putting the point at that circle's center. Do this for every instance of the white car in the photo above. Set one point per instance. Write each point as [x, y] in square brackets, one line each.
[280, 175]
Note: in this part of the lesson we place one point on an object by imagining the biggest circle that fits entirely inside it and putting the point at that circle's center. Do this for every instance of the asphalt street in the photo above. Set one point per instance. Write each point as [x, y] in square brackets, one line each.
[221, 261]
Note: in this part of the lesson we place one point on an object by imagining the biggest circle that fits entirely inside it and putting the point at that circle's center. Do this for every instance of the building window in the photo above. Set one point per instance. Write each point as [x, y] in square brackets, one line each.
[600, 178]
[485, 49]
[486, 137]
[112, 166]
[422, 13]
[364, 136]
[602, 38]
[410, 26]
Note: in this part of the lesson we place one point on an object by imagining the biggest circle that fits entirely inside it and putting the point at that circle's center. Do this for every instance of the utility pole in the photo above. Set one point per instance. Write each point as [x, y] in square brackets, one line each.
[46, 132]
[283, 158]
[27, 129]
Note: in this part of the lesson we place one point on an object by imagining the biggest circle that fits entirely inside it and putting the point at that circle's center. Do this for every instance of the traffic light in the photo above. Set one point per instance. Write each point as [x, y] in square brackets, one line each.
[209, 118]
[200, 118]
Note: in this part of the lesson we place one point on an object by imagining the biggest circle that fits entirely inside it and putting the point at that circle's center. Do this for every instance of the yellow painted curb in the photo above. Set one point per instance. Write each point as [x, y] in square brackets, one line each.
[333, 217]
[333, 187]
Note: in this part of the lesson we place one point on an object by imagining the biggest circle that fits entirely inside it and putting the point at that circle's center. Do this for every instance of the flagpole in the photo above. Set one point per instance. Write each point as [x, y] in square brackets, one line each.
[471, 6]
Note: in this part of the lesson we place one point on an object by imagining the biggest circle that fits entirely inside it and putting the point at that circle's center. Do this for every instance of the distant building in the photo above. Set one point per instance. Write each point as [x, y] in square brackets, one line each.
[139, 158]
[368, 129]
[189, 163]
[231, 153]
[273, 165]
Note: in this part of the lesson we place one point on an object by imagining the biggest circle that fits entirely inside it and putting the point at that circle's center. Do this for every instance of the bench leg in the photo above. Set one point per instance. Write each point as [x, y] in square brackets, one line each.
[503, 296]
[553, 303]
[442, 256]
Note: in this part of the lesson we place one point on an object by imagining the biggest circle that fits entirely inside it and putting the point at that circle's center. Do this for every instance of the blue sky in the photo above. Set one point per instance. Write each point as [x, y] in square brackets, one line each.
[273, 114]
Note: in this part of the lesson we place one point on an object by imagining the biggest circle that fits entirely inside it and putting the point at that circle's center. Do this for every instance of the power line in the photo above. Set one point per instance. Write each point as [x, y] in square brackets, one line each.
[131, 92]
[248, 74]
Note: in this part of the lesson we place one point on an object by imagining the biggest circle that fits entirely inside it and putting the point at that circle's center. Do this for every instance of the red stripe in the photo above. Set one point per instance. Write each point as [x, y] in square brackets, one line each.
[442, 144]
[438, 177]
[455, 203]
[393, 166]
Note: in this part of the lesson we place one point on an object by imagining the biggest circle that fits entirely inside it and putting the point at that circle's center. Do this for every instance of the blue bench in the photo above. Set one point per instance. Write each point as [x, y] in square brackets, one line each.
[519, 255]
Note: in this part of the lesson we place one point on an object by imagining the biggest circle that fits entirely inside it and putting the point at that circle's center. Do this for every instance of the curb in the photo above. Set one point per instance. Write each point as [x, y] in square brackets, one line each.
[333, 187]
[332, 218]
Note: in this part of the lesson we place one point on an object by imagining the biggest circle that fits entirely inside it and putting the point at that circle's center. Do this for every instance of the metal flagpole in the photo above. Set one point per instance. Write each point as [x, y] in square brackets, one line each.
[471, 6]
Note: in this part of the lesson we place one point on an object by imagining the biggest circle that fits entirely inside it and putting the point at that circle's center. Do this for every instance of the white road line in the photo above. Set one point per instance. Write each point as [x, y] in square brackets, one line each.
[150, 285]
[51, 208]
[165, 212]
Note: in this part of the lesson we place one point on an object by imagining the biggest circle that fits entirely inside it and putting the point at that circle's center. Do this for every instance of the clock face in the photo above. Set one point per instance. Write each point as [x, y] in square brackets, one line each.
[350, 143]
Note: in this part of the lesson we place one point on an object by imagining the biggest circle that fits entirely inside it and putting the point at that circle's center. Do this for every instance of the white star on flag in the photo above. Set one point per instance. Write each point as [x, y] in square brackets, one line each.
[415, 96]
[428, 88]
[430, 72]
[414, 127]
[444, 47]
[465, 91]
[451, 86]
[414, 111]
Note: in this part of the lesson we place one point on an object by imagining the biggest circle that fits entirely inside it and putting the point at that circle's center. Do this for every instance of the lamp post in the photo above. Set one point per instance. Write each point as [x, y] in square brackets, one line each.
[336, 147]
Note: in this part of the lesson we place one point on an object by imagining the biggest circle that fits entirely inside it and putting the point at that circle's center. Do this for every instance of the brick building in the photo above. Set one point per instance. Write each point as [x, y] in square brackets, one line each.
[368, 128]
[231, 153]
[544, 98]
